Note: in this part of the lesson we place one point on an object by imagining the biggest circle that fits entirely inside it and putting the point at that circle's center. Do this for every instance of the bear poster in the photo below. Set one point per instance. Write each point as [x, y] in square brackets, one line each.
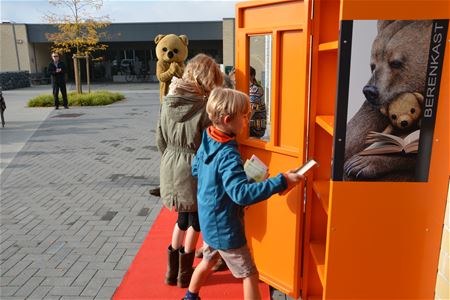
[388, 90]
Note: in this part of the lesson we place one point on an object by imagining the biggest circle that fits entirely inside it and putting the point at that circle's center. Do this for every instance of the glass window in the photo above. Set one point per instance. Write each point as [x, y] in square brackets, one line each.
[260, 85]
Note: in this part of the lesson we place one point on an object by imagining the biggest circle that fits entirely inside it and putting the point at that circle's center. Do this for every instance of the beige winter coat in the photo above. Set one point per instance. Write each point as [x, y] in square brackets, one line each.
[183, 119]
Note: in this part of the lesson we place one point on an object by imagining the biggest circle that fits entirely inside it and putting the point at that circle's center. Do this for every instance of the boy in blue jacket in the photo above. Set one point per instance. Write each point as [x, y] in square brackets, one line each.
[224, 190]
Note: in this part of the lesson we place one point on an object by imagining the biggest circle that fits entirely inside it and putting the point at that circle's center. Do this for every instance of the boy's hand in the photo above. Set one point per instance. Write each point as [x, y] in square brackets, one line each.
[292, 179]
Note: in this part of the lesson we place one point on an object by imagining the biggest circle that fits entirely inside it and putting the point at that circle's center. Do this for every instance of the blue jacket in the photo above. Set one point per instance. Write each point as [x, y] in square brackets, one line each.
[224, 190]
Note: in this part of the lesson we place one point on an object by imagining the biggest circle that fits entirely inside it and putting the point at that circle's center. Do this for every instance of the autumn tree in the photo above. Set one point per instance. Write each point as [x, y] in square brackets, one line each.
[79, 30]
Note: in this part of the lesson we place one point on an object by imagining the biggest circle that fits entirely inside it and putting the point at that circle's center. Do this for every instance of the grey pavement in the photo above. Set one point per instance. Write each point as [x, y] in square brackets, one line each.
[75, 206]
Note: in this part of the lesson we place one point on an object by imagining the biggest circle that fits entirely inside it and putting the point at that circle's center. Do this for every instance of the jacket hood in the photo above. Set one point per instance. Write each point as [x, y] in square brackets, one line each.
[182, 108]
[211, 147]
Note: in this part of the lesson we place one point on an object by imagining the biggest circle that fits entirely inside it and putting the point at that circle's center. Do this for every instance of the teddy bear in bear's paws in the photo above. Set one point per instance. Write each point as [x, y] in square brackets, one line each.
[171, 51]
[404, 113]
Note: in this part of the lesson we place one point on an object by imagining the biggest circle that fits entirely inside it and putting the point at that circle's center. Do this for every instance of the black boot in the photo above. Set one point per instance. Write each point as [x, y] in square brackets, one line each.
[155, 192]
[172, 266]
[185, 268]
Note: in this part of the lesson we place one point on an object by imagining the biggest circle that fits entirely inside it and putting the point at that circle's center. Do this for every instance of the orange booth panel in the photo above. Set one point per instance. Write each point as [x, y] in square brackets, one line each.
[274, 228]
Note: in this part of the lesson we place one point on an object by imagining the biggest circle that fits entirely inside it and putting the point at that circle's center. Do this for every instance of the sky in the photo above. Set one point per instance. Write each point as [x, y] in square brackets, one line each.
[122, 11]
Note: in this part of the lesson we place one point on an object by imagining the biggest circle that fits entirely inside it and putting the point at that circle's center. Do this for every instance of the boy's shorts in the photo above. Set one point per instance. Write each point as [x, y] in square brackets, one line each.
[239, 261]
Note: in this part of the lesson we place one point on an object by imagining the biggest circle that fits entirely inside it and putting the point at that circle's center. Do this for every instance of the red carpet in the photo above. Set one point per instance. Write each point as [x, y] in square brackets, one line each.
[145, 277]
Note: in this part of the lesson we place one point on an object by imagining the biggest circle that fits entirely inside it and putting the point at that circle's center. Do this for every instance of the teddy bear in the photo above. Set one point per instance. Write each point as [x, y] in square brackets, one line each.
[171, 51]
[404, 112]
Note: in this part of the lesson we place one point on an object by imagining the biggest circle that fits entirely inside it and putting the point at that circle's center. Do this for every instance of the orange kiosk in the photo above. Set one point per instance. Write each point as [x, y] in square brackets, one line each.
[344, 235]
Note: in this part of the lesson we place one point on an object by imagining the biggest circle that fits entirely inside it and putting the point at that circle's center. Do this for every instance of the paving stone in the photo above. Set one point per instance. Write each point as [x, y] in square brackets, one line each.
[116, 255]
[51, 272]
[84, 277]
[76, 298]
[5, 280]
[76, 269]
[124, 262]
[23, 277]
[114, 282]
[66, 290]
[105, 292]
[17, 268]
[40, 292]
[94, 285]
[61, 281]
[29, 286]
[8, 291]
[100, 265]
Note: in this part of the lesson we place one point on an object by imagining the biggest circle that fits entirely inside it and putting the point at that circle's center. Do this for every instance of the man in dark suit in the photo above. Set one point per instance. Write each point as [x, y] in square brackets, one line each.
[57, 70]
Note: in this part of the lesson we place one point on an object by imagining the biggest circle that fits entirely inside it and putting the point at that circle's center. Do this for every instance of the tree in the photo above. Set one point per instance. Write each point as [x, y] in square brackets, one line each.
[79, 32]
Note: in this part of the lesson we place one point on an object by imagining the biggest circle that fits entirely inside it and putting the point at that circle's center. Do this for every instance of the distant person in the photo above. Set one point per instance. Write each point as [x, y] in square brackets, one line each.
[259, 114]
[2, 107]
[57, 70]
[183, 119]
[258, 119]
[232, 78]
[224, 190]
[228, 82]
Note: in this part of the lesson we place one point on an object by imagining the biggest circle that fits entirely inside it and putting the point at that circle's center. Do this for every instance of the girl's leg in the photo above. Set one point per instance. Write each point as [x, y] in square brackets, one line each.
[193, 233]
[177, 237]
[251, 288]
[180, 229]
[191, 240]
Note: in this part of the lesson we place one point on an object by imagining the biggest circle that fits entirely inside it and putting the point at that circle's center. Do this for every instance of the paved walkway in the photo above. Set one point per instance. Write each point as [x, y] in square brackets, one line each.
[75, 206]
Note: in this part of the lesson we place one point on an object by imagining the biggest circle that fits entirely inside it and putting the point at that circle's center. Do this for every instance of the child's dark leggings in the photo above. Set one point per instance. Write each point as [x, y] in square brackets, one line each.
[186, 219]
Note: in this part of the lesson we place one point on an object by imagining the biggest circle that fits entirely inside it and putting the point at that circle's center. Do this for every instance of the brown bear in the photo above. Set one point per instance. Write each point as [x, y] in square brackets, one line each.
[398, 62]
[171, 51]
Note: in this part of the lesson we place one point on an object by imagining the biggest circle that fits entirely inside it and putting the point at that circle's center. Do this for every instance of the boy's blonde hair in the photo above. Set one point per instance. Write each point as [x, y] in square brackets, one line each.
[223, 102]
[205, 71]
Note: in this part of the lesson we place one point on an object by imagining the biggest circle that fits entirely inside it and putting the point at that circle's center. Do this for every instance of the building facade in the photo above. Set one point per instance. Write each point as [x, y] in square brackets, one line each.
[131, 47]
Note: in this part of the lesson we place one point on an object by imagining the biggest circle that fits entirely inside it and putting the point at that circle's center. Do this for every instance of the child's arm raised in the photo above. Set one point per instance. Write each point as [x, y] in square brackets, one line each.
[292, 178]
[245, 193]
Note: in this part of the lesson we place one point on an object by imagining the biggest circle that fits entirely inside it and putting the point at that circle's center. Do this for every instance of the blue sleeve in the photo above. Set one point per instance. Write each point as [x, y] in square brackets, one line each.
[237, 186]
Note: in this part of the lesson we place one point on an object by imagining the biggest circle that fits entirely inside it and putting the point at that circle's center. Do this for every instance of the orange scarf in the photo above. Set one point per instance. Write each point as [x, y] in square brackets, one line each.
[219, 136]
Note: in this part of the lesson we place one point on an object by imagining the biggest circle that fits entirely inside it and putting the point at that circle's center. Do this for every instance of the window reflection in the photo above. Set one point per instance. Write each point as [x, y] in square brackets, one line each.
[259, 85]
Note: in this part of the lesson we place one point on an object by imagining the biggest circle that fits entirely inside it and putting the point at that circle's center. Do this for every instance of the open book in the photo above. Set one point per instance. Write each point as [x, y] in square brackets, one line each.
[255, 169]
[383, 143]
[306, 167]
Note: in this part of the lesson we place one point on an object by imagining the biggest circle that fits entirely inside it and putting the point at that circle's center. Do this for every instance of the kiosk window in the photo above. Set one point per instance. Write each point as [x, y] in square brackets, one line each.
[260, 69]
